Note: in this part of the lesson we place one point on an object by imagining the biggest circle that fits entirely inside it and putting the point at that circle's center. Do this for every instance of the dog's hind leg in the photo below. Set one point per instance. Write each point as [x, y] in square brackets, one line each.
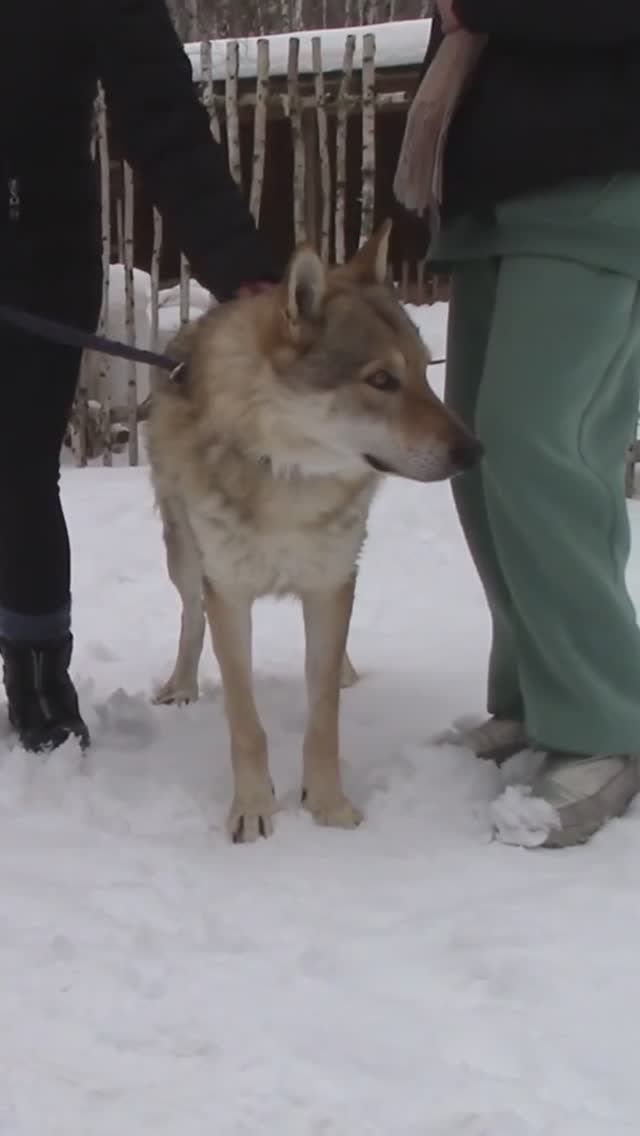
[326, 620]
[185, 571]
[251, 813]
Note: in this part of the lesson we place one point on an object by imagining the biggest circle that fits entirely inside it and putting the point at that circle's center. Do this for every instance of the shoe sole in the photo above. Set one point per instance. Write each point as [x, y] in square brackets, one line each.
[610, 803]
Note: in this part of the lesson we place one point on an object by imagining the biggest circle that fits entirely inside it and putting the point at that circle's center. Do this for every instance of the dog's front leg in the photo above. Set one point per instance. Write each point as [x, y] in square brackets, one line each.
[253, 802]
[326, 618]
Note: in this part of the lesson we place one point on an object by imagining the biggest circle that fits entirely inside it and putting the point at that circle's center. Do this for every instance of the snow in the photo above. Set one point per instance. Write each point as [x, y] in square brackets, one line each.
[168, 323]
[520, 818]
[412, 978]
[400, 43]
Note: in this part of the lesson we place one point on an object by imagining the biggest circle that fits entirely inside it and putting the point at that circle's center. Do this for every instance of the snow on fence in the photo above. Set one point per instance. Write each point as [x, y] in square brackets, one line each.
[401, 44]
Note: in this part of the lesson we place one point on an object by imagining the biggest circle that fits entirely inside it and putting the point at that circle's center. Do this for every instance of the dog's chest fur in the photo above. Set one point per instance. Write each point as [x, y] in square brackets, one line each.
[277, 535]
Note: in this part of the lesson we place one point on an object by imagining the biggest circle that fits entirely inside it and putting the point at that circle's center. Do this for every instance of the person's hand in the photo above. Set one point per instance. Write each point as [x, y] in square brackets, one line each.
[450, 22]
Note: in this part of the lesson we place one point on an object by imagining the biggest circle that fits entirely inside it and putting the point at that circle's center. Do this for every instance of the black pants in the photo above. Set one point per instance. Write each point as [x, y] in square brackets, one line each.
[37, 386]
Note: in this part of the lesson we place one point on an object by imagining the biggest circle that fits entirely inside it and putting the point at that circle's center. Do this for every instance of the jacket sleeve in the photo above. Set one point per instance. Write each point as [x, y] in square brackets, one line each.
[164, 132]
[563, 22]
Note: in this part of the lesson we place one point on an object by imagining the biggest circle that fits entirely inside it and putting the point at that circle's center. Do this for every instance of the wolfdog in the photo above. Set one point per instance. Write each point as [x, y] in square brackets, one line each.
[265, 458]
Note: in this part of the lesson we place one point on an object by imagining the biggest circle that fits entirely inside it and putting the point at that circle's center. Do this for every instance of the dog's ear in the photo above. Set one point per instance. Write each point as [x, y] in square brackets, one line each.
[306, 285]
[370, 264]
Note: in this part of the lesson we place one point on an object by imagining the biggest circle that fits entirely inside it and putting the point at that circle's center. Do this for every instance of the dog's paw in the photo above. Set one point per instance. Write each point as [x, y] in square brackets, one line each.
[173, 693]
[335, 811]
[249, 820]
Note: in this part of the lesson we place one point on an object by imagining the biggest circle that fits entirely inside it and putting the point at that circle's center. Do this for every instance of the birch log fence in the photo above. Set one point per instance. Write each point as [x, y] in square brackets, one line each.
[319, 201]
[319, 198]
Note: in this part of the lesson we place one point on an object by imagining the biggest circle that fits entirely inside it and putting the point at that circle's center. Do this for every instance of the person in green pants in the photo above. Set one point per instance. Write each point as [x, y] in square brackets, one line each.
[540, 235]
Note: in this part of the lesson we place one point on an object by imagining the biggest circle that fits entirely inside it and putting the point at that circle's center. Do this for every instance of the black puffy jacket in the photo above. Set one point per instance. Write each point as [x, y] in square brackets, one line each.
[555, 97]
[51, 56]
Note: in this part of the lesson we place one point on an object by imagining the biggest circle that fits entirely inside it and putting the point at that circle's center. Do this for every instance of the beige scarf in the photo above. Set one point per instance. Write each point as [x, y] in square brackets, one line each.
[418, 180]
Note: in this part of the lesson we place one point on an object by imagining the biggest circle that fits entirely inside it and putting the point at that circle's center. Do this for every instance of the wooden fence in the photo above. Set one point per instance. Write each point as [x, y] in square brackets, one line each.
[319, 203]
[318, 109]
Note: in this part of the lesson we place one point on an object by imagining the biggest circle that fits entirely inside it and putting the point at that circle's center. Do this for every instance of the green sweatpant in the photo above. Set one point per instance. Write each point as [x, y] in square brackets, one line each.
[544, 364]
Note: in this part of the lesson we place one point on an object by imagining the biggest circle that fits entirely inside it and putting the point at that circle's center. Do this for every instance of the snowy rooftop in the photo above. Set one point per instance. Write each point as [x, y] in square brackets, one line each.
[399, 44]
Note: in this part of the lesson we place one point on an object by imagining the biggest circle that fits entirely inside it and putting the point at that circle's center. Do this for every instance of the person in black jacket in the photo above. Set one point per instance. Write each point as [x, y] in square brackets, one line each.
[51, 57]
[540, 233]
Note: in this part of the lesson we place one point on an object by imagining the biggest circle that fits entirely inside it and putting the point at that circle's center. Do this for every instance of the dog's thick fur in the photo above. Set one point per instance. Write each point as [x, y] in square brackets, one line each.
[265, 460]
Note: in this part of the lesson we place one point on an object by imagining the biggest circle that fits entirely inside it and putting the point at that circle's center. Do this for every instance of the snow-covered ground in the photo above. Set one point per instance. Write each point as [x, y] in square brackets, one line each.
[412, 978]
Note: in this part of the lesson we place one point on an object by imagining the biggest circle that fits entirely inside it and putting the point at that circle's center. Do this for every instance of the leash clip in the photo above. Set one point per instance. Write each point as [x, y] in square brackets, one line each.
[178, 373]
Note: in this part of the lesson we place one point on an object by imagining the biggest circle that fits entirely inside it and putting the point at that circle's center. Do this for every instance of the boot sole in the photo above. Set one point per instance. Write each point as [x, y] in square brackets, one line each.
[610, 802]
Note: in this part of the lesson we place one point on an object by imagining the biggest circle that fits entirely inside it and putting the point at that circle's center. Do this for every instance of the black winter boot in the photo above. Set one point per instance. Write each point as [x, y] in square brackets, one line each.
[43, 704]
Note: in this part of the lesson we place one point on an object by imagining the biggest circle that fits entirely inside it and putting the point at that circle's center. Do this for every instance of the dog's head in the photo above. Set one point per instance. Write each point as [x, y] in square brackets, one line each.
[340, 384]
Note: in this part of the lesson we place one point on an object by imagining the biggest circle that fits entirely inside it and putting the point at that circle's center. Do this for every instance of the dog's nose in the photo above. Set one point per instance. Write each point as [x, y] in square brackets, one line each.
[465, 455]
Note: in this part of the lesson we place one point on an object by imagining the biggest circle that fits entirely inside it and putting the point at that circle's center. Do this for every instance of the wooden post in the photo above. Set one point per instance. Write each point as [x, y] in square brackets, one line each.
[341, 149]
[311, 193]
[323, 150]
[260, 130]
[368, 136]
[119, 231]
[79, 420]
[231, 106]
[156, 253]
[104, 370]
[130, 312]
[295, 117]
[185, 290]
[209, 98]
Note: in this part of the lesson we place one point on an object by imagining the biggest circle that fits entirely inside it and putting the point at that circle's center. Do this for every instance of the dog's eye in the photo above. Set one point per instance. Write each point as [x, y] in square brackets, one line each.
[383, 381]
